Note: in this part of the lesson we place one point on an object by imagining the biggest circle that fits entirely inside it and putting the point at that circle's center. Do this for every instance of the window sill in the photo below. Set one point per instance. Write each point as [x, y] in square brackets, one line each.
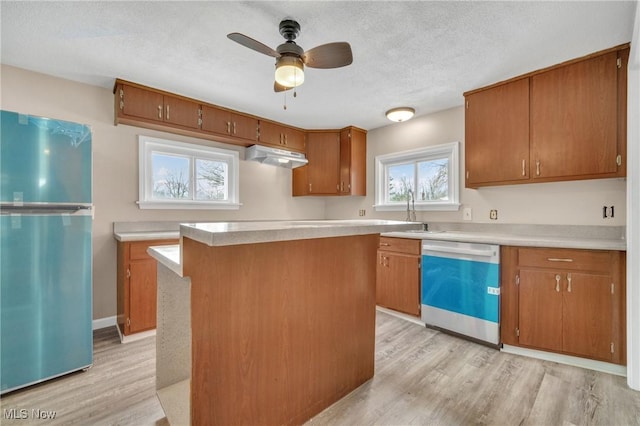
[186, 205]
[448, 207]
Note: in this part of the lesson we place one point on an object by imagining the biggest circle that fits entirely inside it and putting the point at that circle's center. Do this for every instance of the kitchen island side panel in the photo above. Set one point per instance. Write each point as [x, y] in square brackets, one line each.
[280, 330]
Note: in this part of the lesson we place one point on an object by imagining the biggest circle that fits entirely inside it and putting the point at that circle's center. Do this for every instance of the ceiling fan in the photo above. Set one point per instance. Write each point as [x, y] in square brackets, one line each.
[291, 59]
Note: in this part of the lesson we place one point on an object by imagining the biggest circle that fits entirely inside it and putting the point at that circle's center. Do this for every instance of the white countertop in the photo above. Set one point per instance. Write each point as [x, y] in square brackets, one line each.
[146, 235]
[234, 233]
[574, 242]
[169, 256]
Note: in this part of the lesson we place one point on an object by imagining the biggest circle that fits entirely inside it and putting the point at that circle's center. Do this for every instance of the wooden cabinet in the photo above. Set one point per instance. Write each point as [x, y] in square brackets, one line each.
[574, 119]
[321, 175]
[398, 275]
[337, 164]
[145, 104]
[564, 300]
[566, 122]
[281, 136]
[228, 123]
[136, 286]
[497, 134]
[353, 161]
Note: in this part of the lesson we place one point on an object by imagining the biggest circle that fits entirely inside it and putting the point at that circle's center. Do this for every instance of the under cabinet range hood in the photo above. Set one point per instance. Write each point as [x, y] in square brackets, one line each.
[275, 156]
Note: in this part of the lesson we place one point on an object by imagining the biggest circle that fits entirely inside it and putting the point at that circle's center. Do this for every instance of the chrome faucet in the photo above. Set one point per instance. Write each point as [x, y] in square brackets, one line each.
[411, 212]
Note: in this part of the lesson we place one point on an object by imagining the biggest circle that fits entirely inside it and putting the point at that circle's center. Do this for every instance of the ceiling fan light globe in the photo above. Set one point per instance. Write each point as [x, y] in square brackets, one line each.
[289, 71]
[400, 114]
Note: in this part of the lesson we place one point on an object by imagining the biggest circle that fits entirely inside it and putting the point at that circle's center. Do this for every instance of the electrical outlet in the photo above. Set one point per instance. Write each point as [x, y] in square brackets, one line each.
[362, 212]
[608, 212]
[493, 214]
[466, 214]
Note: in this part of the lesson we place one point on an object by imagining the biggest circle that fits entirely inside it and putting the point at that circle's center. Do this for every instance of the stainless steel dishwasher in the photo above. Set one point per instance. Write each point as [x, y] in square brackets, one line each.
[461, 288]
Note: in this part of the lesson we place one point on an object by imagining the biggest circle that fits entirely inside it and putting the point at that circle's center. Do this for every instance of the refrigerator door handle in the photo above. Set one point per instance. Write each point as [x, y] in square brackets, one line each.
[51, 208]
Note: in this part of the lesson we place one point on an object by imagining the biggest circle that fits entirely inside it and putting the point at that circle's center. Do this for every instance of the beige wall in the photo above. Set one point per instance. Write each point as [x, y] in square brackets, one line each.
[562, 203]
[265, 191]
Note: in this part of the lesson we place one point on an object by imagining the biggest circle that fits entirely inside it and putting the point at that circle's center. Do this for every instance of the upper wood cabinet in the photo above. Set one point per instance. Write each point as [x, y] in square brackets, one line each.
[353, 161]
[566, 122]
[281, 136]
[497, 134]
[564, 300]
[321, 175]
[337, 164]
[228, 123]
[138, 103]
[574, 119]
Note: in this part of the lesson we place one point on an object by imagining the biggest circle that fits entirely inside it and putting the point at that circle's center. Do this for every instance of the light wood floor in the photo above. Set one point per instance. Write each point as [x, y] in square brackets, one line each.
[423, 377]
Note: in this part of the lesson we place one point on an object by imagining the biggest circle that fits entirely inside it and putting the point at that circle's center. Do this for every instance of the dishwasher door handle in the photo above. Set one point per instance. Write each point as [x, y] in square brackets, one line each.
[458, 250]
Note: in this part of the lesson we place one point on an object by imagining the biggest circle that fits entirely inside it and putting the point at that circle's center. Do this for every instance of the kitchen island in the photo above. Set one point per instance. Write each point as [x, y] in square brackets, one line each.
[282, 316]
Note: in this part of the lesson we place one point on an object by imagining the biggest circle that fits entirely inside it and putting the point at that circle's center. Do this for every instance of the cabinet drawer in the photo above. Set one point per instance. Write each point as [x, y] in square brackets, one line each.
[567, 259]
[138, 249]
[401, 245]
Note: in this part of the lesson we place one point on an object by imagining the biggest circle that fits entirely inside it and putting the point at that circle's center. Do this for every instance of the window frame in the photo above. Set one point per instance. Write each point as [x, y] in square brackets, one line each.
[148, 145]
[450, 150]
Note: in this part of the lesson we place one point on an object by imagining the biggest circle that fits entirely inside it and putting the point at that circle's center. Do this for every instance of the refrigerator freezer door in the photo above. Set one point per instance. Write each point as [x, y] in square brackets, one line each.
[45, 279]
[44, 160]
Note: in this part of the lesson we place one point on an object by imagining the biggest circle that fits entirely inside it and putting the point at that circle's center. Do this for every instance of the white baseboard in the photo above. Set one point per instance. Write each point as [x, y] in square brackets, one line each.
[605, 367]
[104, 322]
[400, 315]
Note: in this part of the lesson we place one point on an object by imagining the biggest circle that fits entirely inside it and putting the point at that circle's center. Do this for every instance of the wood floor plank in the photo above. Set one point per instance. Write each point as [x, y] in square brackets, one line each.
[423, 377]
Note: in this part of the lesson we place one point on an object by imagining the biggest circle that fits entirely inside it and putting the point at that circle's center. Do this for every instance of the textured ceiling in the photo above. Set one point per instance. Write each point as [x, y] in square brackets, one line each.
[419, 54]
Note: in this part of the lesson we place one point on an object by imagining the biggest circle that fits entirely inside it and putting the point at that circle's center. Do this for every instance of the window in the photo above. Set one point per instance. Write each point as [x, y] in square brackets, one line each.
[429, 176]
[176, 175]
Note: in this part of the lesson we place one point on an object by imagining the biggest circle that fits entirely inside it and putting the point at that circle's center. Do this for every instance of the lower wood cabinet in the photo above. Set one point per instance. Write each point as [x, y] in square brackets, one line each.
[137, 286]
[565, 300]
[398, 275]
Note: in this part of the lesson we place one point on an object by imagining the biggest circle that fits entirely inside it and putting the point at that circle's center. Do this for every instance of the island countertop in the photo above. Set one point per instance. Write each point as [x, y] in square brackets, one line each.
[234, 233]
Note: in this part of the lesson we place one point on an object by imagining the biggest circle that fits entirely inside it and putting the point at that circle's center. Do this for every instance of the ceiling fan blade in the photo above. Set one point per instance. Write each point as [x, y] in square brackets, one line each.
[277, 87]
[253, 44]
[330, 55]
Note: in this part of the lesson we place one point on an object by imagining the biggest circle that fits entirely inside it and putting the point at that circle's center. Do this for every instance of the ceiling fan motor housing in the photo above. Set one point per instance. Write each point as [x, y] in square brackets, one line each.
[289, 29]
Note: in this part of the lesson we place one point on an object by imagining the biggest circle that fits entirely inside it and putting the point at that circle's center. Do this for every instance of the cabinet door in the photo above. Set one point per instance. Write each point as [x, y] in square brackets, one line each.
[294, 139]
[244, 127]
[323, 170]
[142, 103]
[353, 162]
[216, 120]
[574, 119]
[588, 315]
[271, 134]
[398, 282]
[181, 112]
[497, 134]
[142, 295]
[540, 310]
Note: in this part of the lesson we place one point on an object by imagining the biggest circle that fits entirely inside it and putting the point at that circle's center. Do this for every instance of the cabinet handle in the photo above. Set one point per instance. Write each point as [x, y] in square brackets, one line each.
[234, 127]
[229, 127]
[537, 167]
[159, 111]
[558, 283]
[559, 259]
[310, 188]
[285, 138]
[524, 163]
[280, 138]
[385, 244]
[167, 111]
[569, 283]
[128, 273]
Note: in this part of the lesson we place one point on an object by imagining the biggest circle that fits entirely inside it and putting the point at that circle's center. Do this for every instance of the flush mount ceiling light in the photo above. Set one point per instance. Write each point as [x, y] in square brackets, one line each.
[400, 114]
[289, 71]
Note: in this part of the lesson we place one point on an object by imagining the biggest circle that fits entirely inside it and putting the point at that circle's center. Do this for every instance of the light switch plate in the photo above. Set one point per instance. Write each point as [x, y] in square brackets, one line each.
[467, 214]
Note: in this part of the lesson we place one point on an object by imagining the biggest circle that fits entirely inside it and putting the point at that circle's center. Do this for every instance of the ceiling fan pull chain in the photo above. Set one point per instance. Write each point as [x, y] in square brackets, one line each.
[285, 100]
